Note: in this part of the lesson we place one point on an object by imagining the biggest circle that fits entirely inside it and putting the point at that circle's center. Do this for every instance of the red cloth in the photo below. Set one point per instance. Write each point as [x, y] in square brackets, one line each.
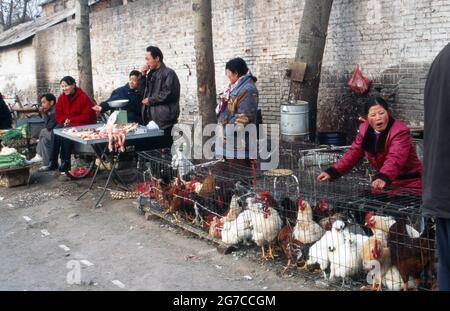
[397, 160]
[78, 110]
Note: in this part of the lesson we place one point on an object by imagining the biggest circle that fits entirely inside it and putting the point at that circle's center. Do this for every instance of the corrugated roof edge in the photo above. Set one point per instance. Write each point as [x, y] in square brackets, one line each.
[24, 31]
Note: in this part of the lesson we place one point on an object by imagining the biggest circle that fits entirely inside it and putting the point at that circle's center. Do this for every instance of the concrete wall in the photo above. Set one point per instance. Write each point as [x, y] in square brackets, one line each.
[18, 71]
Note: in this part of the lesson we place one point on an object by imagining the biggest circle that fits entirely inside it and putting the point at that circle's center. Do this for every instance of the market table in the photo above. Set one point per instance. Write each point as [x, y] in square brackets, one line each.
[100, 147]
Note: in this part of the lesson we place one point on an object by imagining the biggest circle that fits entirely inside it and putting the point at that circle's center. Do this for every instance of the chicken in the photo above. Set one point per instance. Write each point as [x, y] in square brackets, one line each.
[208, 185]
[322, 210]
[327, 222]
[215, 228]
[174, 198]
[266, 223]
[344, 256]
[383, 223]
[234, 209]
[411, 256]
[265, 198]
[393, 281]
[319, 253]
[376, 258]
[288, 211]
[216, 225]
[238, 230]
[306, 230]
[291, 247]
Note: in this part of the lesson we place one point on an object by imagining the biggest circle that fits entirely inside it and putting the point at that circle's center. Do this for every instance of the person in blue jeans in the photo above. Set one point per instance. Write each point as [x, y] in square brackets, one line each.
[436, 164]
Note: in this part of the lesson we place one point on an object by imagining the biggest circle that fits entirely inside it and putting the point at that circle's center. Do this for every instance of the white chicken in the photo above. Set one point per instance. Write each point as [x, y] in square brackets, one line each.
[382, 223]
[319, 253]
[306, 230]
[345, 260]
[393, 281]
[266, 223]
[238, 230]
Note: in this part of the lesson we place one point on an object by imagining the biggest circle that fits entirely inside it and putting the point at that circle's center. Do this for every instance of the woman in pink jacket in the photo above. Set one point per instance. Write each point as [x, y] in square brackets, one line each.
[388, 146]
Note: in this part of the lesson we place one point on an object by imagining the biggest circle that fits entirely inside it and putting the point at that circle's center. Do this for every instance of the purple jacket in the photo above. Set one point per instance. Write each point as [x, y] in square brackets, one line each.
[393, 156]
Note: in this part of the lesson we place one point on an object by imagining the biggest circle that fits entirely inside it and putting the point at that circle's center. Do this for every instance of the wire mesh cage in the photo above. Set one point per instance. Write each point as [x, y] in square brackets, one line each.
[343, 229]
[198, 192]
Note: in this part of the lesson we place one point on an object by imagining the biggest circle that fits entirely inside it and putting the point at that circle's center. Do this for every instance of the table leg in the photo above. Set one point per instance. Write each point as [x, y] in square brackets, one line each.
[97, 205]
[91, 184]
[99, 154]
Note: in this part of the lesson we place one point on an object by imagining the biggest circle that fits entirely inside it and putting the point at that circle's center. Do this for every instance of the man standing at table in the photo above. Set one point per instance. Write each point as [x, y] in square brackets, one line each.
[160, 88]
[128, 91]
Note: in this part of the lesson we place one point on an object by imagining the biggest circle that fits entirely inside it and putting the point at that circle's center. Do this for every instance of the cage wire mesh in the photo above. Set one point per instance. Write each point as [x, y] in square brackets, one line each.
[341, 228]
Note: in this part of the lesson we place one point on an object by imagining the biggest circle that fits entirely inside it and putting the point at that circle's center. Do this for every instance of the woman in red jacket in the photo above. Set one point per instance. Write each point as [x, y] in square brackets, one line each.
[388, 146]
[73, 108]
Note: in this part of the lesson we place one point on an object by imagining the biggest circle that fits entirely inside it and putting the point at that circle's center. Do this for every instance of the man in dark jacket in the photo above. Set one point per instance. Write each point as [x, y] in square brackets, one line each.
[45, 144]
[128, 91]
[436, 167]
[5, 115]
[160, 88]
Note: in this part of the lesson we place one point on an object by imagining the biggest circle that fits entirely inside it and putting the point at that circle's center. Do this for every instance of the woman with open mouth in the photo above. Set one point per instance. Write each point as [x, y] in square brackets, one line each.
[387, 144]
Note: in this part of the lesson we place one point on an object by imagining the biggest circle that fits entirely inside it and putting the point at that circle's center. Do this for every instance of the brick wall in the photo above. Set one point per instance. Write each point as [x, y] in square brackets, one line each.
[393, 42]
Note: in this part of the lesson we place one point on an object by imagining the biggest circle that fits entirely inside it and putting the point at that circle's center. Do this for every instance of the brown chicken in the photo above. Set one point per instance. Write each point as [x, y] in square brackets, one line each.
[208, 185]
[174, 198]
[411, 255]
[290, 246]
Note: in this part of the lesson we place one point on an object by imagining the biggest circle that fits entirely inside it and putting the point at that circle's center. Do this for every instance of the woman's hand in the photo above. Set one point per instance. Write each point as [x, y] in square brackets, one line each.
[67, 122]
[378, 184]
[324, 177]
[97, 108]
[146, 102]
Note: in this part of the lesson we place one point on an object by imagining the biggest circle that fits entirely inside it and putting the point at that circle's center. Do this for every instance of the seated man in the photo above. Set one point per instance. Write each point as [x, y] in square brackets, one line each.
[44, 147]
[128, 91]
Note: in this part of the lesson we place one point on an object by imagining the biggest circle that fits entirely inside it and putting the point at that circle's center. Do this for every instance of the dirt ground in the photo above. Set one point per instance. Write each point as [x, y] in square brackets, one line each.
[47, 237]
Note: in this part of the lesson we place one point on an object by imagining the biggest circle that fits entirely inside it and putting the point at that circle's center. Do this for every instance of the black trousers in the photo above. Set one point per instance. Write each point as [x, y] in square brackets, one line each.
[61, 147]
[443, 247]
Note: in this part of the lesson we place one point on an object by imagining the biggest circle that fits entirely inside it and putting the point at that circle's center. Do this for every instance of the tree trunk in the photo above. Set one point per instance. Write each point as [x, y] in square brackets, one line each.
[206, 85]
[310, 48]
[84, 47]
[2, 19]
[10, 14]
[24, 11]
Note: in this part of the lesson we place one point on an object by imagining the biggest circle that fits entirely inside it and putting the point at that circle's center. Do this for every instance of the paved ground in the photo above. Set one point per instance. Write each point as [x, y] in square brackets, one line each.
[46, 237]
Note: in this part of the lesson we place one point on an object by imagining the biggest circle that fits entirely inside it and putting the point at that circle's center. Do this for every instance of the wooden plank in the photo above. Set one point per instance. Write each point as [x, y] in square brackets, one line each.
[221, 247]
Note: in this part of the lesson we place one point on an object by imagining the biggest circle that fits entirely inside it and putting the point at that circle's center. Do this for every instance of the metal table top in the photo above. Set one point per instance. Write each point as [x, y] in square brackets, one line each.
[141, 132]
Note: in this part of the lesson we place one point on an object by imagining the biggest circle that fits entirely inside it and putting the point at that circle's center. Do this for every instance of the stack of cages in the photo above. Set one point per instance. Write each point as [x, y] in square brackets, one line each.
[351, 232]
[201, 193]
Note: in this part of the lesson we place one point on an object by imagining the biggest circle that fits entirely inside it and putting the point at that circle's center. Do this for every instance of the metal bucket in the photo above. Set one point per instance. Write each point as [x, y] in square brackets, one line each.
[294, 120]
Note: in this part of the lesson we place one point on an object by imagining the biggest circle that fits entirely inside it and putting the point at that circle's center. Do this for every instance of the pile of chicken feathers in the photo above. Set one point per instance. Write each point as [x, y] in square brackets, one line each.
[115, 133]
